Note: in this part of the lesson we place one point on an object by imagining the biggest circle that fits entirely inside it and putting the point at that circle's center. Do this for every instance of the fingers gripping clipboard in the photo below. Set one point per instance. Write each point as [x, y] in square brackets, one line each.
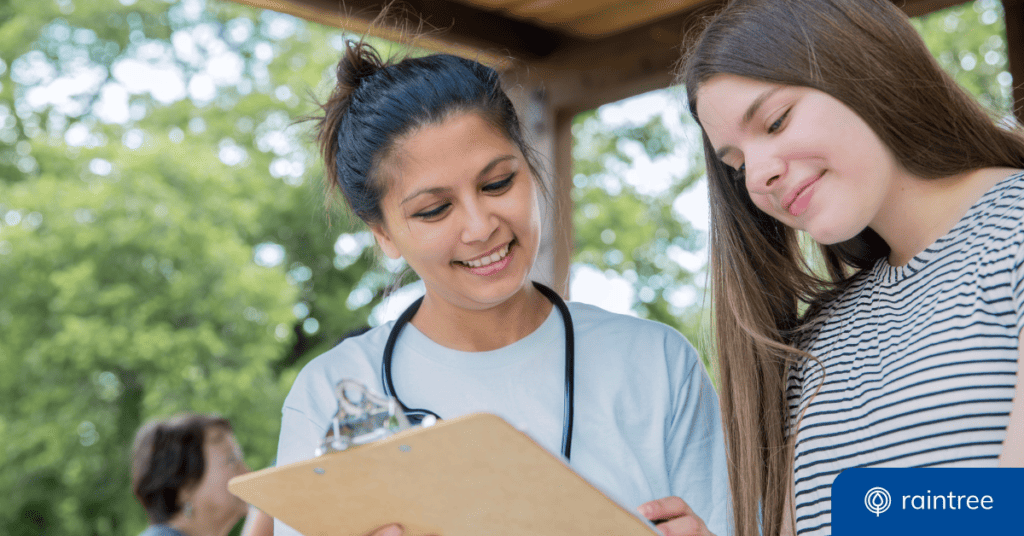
[468, 476]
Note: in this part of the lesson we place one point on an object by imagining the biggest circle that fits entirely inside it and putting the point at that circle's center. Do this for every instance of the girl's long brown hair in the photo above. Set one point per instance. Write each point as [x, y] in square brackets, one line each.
[866, 54]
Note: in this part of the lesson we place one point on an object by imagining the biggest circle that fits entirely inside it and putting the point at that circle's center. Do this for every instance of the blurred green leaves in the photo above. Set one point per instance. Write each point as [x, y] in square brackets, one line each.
[631, 232]
[970, 43]
[132, 210]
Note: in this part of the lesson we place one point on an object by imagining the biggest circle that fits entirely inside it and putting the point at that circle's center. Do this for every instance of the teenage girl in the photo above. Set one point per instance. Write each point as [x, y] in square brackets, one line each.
[867, 255]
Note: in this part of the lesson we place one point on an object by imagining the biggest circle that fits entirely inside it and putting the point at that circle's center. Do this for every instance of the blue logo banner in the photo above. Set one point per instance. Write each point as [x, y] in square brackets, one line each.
[883, 502]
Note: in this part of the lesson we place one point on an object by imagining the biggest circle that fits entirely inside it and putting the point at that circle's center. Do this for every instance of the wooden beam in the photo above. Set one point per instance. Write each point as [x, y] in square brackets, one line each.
[563, 231]
[916, 8]
[459, 26]
[631, 63]
[551, 139]
[571, 81]
[1014, 17]
[497, 4]
[625, 15]
[559, 11]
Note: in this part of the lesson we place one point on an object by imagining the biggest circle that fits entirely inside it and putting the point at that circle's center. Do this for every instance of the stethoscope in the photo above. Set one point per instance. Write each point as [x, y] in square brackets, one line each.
[416, 415]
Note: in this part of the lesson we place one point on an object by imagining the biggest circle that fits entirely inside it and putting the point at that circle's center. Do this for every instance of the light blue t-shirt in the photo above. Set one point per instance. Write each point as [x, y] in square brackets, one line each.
[160, 530]
[646, 423]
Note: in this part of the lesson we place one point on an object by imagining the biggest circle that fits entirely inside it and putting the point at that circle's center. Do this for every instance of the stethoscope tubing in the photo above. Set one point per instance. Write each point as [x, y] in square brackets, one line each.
[570, 352]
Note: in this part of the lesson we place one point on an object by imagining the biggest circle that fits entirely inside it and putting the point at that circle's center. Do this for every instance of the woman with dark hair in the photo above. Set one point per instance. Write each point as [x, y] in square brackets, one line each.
[896, 343]
[180, 471]
[429, 153]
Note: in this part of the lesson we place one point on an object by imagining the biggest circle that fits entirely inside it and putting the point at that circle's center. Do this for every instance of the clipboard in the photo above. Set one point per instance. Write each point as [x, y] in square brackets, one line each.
[466, 476]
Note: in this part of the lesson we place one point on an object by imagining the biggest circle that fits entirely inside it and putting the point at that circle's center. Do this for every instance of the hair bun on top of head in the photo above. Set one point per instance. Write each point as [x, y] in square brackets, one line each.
[359, 62]
[376, 102]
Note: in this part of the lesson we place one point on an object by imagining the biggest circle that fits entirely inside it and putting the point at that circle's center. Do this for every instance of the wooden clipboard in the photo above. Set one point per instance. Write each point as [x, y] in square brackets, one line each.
[469, 476]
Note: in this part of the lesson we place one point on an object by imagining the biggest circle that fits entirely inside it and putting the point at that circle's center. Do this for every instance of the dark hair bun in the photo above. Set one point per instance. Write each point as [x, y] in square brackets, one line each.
[376, 102]
[359, 62]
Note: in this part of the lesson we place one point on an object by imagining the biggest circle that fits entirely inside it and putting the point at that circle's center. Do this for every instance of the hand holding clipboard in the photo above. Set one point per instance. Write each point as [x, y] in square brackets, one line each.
[466, 476]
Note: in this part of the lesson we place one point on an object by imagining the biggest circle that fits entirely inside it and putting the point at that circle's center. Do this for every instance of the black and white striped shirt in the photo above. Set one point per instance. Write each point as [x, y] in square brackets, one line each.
[919, 361]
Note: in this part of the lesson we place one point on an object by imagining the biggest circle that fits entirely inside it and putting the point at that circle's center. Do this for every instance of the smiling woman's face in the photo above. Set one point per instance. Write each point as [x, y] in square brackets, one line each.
[462, 209]
[808, 160]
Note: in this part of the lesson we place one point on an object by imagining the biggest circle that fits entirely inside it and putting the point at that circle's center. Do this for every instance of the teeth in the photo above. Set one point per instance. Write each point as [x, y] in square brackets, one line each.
[484, 261]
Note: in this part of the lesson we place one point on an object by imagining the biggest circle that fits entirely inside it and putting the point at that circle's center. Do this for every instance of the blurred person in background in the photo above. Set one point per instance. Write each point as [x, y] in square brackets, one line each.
[180, 471]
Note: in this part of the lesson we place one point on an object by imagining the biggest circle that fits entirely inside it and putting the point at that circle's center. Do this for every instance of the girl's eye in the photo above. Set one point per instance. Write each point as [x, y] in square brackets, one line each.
[778, 123]
[499, 186]
[432, 213]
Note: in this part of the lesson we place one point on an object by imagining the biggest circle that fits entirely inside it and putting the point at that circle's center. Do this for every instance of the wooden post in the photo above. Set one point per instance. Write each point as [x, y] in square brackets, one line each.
[550, 135]
[563, 167]
[548, 94]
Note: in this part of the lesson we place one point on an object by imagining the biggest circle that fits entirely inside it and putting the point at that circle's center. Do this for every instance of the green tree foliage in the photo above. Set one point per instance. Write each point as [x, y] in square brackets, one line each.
[131, 299]
[969, 41]
[633, 234]
[161, 253]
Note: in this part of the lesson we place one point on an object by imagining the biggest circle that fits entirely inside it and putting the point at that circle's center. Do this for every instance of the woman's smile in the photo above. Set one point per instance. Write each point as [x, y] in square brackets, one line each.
[486, 261]
[462, 211]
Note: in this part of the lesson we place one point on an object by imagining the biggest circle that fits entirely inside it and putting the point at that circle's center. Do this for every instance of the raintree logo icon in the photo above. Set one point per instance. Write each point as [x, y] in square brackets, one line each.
[877, 500]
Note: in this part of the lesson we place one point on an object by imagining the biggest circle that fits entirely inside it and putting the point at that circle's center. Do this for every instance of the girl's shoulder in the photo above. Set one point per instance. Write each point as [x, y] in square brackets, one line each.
[990, 228]
[1005, 199]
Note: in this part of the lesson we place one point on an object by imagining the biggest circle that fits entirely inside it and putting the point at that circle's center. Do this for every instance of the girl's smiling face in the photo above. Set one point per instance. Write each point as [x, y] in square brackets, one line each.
[462, 209]
[807, 159]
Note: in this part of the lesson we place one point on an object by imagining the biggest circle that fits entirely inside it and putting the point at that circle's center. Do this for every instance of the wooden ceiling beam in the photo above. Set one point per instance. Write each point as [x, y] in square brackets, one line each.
[456, 24]
[559, 11]
[584, 76]
[916, 8]
[625, 15]
[583, 73]
[498, 4]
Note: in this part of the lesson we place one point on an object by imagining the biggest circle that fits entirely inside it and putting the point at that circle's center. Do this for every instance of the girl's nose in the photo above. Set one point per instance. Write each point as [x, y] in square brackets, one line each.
[763, 172]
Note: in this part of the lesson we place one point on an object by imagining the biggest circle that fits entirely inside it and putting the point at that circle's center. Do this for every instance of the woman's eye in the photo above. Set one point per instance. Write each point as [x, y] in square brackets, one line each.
[500, 185]
[778, 123]
[432, 213]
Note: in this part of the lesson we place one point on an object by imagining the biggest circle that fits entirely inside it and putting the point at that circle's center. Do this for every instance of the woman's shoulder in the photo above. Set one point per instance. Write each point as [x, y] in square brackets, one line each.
[585, 313]
[606, 327]
[356, 355]
[621, 351]
[356, 345]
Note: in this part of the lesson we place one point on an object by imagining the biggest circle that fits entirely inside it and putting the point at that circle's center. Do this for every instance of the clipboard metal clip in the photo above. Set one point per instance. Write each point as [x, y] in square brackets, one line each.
[363, 416]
